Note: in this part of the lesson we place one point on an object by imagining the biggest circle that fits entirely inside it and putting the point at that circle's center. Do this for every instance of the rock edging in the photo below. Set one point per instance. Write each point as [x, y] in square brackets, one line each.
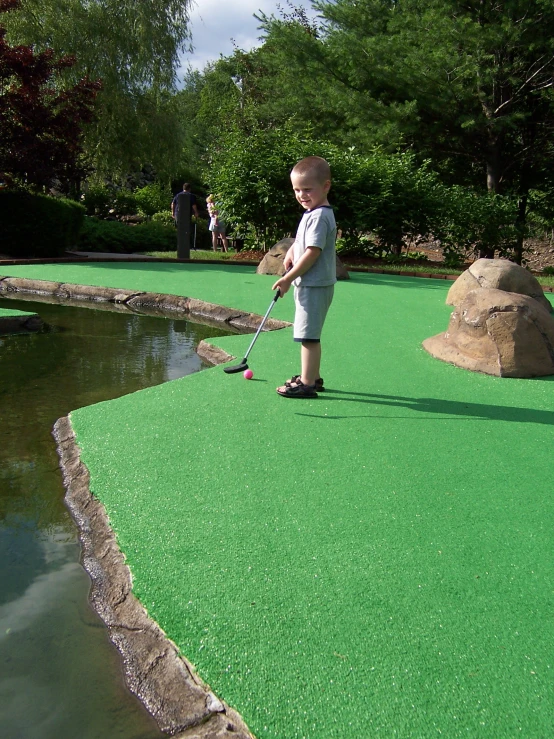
[155, 672]
[141, 302]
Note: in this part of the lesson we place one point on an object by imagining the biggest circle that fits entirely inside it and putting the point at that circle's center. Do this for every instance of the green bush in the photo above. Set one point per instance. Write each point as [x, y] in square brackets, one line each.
[153, 198]
[382, 202]
[125, 203]
[38, 225]
[387, 196]
[103, 201]
[165, 217]
[472, 222]
[112, 236]
[98, 200]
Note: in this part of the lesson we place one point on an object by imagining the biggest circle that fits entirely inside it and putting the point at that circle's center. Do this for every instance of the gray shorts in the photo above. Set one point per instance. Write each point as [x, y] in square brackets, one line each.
[312, 304]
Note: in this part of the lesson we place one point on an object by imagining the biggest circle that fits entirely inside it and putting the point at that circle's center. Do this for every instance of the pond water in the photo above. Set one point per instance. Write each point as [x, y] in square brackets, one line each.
[60, 676]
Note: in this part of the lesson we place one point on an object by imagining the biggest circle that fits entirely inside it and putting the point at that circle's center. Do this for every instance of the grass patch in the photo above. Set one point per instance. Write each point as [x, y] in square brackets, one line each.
[198, 254]
[411, 268]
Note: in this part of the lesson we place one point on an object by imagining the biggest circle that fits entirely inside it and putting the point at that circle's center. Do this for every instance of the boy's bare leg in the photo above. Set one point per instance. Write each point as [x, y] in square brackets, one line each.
[310, 356]
[224, 242]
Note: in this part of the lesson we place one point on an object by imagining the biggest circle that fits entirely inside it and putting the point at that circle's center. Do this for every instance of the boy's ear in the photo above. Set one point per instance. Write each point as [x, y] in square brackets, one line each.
[327, 185]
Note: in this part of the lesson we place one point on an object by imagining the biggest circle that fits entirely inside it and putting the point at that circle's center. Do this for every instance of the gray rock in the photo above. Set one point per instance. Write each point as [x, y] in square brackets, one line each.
[498, 333]
[497, 274]
[272, 263]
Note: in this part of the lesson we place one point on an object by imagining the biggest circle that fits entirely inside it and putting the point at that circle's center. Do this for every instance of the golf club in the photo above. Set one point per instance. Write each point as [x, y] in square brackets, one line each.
[243, 366]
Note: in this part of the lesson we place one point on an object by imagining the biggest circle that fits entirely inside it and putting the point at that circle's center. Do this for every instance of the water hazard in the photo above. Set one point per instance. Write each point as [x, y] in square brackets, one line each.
[60, 676]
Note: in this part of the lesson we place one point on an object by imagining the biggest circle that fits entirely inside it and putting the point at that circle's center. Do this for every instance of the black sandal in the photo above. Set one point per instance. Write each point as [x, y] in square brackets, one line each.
[297, 378]
[298, 390]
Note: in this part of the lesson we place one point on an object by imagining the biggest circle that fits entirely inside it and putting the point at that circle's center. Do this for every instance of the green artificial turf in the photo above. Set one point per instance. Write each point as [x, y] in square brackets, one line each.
[374, 562]
[10, 313]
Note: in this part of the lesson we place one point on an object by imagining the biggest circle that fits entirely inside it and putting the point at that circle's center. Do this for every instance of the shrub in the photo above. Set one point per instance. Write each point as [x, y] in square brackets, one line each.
[112, 236]
[476, 222]
[98, 200]
[38, 225]
[382, 202]
[103, 201]
[125, 203]
[153, 198]
[164, 217]
[388, 196]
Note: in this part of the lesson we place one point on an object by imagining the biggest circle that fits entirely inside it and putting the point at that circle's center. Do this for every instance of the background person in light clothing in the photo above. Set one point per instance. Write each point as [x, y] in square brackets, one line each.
[217, 226]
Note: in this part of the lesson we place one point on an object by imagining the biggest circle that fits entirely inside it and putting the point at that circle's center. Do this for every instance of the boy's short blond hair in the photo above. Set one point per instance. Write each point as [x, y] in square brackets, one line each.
[315, 166]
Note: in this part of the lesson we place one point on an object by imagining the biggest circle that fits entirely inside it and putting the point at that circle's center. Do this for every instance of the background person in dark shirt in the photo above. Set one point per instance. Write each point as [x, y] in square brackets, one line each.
[193, 206]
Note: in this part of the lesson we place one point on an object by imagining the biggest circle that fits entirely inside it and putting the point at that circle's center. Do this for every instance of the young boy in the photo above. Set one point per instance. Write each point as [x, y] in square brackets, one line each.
[312, 269]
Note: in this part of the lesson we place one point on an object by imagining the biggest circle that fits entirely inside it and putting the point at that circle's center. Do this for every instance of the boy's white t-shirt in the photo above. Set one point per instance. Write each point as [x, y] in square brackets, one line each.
[317, 228]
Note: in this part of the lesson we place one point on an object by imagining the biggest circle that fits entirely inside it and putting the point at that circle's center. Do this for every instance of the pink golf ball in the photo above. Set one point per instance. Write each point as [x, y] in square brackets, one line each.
[248, 374]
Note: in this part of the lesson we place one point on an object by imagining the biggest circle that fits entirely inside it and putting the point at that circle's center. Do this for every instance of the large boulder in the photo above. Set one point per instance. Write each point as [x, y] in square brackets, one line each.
[272, 263]
[498, 333]
[497, 274]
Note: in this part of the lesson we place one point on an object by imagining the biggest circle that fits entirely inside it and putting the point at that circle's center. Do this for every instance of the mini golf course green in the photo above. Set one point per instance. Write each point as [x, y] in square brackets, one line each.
[374, 562]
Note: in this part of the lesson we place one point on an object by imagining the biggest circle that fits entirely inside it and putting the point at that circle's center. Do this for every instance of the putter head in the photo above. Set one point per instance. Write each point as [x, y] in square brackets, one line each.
[236, 368]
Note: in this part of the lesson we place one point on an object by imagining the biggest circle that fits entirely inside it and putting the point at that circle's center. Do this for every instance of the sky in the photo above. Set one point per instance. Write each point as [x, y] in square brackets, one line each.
[214, 23]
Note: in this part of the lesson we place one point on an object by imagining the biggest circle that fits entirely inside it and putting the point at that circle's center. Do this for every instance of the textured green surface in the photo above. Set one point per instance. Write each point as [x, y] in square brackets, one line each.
[10, 313]
[236, 287]
[374, 562]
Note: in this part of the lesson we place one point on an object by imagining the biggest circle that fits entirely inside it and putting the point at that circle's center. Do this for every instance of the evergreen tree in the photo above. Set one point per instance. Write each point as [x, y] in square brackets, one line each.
[465, 83]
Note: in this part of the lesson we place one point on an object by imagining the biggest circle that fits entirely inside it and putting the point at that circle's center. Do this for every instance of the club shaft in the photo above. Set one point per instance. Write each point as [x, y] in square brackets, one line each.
[260, 327]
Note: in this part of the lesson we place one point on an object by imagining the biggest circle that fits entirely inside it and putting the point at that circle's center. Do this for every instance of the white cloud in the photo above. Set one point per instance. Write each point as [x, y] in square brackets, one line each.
[43, 594]
[216, 23]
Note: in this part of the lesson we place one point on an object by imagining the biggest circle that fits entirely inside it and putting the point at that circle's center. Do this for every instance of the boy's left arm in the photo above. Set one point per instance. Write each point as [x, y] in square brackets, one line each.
[307, 260]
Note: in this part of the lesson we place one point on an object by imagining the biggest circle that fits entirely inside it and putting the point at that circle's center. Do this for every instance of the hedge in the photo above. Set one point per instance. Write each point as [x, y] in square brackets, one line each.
[38, 225]
[112, 236]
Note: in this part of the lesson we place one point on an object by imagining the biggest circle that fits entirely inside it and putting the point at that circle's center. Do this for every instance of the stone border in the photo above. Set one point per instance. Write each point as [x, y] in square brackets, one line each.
[165, 682]
[141, 302]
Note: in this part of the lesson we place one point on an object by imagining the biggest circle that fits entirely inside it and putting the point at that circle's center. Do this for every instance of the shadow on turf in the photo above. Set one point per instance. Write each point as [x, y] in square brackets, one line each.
[441, 407]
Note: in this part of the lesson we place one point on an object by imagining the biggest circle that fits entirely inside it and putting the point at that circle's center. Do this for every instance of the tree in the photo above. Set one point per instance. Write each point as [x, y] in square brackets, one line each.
[133, 46]
[41, 122]
[465, 83]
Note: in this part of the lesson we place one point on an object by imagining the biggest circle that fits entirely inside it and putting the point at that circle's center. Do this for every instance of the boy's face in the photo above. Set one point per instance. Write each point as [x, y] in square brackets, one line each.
[309, 191]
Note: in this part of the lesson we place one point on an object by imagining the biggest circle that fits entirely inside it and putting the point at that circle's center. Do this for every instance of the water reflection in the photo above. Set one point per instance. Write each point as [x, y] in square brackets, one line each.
[51, 643]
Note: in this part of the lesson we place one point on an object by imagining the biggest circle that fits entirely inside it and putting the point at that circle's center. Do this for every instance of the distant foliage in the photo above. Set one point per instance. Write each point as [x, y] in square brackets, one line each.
[472, 222]
[153, 198]
[111, 236]
[383, 202]
[106, 201]
[164, 217]
[37, 225]
[41, 119]
[134, 47]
